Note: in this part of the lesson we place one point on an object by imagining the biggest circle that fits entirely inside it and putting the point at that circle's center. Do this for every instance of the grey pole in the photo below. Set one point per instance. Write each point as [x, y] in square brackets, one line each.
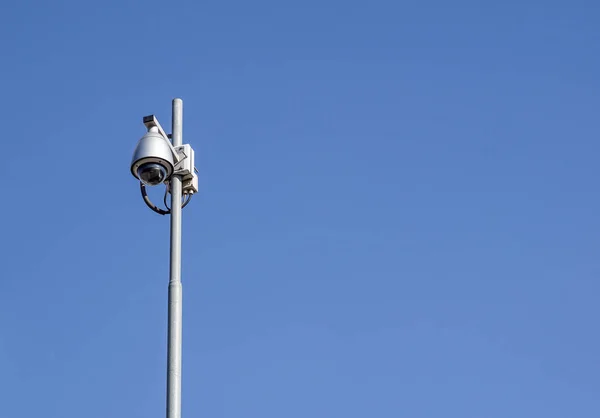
[174, 330]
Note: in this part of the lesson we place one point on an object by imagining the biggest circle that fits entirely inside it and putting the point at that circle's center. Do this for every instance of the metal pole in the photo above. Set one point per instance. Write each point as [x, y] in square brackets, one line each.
[174, 330]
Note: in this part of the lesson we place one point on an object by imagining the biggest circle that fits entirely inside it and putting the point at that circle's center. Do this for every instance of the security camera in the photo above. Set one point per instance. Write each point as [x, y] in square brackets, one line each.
[156, 160]
[153, 159]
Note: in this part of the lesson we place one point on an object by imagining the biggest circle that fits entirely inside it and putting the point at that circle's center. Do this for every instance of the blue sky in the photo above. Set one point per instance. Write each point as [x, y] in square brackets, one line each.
[398, 212]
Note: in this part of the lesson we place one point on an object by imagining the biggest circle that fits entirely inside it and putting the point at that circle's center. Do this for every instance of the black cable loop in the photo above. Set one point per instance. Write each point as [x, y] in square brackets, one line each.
[185, 200]
[149, 202]
[165, 197]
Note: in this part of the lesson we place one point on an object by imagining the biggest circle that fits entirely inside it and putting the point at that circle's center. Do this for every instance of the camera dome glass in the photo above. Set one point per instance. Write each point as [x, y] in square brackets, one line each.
[152, 174]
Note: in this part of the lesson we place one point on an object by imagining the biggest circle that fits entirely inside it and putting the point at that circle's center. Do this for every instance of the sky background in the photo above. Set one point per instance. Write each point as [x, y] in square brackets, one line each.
[398, 214]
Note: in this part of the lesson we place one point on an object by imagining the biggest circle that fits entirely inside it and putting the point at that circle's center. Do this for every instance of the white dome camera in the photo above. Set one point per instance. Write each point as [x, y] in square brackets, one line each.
[153, 159]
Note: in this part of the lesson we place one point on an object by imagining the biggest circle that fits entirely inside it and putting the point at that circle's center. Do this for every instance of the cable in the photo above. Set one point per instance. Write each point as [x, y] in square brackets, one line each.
[165, 197]
[189, 197]
[185, 200]
[149, 202]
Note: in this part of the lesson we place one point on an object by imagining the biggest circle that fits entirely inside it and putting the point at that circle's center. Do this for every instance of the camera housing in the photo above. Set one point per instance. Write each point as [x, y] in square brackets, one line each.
[153, 160]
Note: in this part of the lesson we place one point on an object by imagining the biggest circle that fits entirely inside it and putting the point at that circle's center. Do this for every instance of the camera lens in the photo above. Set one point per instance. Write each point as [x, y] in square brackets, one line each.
[152, 174]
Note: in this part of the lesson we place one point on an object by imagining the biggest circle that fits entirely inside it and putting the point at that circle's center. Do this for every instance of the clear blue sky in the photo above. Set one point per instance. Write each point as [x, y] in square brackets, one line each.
[398, 213]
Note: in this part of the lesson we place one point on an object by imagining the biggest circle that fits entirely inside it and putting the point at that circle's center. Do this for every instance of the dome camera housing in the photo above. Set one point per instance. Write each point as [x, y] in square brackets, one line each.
[152, 161]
